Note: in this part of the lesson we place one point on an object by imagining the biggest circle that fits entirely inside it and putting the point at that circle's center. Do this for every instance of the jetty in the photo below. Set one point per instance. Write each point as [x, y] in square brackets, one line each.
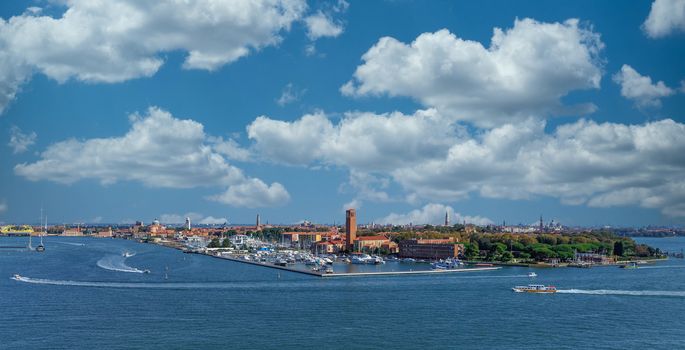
[356, 274]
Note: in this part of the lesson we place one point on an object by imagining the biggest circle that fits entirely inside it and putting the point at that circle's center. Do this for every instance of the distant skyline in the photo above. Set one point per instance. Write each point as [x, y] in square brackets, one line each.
[221, 110]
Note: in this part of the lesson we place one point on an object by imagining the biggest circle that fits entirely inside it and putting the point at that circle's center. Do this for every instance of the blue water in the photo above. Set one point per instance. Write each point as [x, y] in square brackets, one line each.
[83, 293]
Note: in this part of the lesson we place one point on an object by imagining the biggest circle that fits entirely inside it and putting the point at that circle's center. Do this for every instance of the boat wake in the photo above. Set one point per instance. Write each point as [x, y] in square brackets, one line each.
[70, 243]
[663, 267]
[659, 293]
[116, 262]
[149, 285]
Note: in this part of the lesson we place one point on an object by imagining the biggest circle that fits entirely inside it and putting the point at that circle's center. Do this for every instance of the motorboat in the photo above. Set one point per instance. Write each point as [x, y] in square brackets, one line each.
[532, 274]
[146, 271]
[535, 288]
[127, 254]
[16, 277]
[630, 265]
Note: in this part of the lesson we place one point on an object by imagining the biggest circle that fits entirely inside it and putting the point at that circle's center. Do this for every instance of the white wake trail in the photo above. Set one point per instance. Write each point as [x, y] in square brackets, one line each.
[115, 262]
[157, 285]
[659, 293]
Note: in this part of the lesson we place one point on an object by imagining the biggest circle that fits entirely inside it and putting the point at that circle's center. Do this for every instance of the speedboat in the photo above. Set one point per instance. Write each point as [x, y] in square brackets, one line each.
[630, 265]
[16, 276]
[532, 274]
[535, 288]
[127, 254]
[146, 271]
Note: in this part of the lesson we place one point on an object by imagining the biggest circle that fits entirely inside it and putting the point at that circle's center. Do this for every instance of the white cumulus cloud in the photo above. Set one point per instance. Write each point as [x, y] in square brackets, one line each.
[432, 158]
[432, 214]
[210, 220]
[118, 40]
[322, 25]
[524, 72]
[158, 151]
[665, 17]
[19, 141]
[254, 193]
[640, 89]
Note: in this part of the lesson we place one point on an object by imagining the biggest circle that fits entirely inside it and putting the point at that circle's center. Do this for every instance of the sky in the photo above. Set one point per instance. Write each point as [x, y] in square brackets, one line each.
[493, 111]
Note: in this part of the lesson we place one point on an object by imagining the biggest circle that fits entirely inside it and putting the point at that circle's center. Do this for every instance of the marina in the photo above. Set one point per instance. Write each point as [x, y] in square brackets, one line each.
[356, 274]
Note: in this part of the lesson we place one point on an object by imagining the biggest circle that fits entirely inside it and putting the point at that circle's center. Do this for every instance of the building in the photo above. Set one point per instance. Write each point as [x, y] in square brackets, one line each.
[259, 222]
[188, 224]
[447, 218]
[301, 240]
[430, 248]
[375, 243]
[350, 228]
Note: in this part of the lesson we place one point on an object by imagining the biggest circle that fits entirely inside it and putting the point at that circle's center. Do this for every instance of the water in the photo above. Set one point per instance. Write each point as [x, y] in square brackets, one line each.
[84, 293]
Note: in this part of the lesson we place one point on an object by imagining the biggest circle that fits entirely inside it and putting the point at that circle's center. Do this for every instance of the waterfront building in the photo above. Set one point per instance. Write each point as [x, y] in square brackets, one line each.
[301, 240]
[350, 228]
[430, 248]
[374, 243]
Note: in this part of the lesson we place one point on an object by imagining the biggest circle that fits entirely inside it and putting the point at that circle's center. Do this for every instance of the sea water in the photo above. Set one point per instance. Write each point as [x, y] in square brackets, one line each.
[86, 293]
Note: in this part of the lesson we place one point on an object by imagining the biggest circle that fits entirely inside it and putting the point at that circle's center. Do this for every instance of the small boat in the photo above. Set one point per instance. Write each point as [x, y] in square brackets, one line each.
[532, 274]
[329, 270]
[16, 277]
[630, 265]
[146, 271]
[40, 248]
[127, 254]
[535, 288]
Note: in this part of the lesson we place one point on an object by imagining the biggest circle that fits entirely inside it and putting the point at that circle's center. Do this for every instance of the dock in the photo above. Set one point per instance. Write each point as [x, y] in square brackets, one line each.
[357, 274]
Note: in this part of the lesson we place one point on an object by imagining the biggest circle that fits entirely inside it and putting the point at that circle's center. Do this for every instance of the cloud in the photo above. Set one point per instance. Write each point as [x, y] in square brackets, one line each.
[158, 151]
[320, 25]
[433, 214]
[177, 219]
[253, 193]
[604, 165]
[231, 149]
[96, 220]
[114, 41]
[665, 17]
[289, 94]
[19, 141]
[210, 220]
[3, 206]
[364, 141]
[526, 71]
[640, 89]
[432, 158]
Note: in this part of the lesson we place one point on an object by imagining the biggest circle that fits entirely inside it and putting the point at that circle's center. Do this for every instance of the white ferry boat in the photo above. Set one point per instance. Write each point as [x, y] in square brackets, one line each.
[535, 288]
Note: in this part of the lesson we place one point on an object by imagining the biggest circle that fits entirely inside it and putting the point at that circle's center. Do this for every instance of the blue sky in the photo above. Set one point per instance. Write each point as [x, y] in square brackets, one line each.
[580, 121]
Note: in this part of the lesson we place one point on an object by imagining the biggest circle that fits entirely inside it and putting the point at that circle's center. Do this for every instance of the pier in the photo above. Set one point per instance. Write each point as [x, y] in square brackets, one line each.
[357, 274]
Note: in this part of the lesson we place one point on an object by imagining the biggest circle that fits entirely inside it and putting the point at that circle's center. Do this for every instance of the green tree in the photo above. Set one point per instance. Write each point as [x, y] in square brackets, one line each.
[506, 256]
[618, 248]
[214, 243]
[472, 250]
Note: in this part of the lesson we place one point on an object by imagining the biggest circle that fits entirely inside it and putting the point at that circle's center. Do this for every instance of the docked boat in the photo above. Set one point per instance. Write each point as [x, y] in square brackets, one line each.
[329, 270]
[535, 288]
